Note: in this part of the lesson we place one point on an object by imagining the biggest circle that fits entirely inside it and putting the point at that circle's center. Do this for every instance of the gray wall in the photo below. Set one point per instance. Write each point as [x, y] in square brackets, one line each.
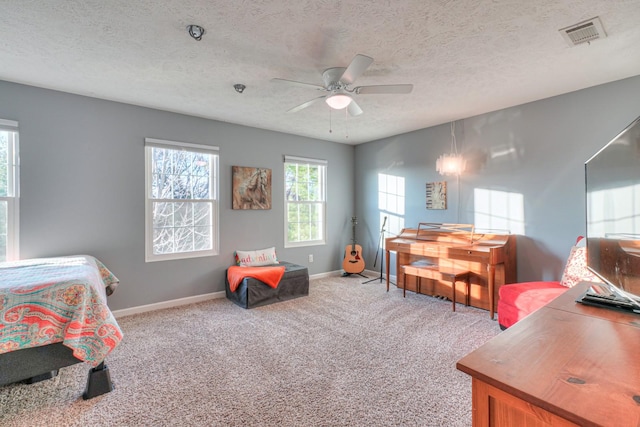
[82, 190]
[550, 141]
[82, 181]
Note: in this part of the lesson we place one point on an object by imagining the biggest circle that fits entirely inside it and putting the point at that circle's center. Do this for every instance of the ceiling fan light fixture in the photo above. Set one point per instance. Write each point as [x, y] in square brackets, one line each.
[338, 101]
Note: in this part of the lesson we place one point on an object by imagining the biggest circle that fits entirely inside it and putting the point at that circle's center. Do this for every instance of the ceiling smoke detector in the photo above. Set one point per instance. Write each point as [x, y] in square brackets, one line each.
[195, 31]
[583, 32]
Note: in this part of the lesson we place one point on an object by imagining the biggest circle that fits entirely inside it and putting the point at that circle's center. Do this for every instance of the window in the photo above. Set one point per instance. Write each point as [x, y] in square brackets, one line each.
[391, 201]
[498, 210]
[8, 190]
[181, 200]
[305, 187]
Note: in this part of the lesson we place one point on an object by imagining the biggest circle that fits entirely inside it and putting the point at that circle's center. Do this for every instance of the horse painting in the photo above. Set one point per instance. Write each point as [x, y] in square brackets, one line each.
[251, 188]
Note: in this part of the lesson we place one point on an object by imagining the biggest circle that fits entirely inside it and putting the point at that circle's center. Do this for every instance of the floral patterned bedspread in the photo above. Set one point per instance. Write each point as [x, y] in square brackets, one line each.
[49, 300]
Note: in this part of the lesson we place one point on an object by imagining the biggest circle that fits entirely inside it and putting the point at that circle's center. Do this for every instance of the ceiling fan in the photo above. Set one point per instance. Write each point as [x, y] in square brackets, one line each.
[337, 82]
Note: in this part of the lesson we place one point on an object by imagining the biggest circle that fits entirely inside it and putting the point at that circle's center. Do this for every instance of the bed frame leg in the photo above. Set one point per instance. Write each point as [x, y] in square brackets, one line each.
[42, 377]
[98, 382]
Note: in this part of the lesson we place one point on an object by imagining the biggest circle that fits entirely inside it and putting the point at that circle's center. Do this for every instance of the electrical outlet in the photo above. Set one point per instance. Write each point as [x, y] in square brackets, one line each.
[310, 258]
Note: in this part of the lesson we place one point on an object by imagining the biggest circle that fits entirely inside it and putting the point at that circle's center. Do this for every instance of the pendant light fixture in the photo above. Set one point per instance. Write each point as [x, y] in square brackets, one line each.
[452, 163]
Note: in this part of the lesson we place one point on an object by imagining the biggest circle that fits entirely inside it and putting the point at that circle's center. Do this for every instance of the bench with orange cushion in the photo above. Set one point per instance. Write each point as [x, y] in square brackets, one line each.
[251, 292]
[518, 300]
[521, 299]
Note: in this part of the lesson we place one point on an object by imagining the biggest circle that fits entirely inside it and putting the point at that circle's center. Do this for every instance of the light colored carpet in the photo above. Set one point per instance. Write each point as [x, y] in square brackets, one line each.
[349, 354]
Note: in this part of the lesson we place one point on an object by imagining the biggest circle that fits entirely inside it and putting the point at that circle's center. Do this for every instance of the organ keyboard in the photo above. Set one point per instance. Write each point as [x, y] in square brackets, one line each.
[489, 257]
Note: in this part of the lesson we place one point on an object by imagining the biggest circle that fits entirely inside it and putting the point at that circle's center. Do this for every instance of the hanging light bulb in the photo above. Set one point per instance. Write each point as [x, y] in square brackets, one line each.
[452, 163]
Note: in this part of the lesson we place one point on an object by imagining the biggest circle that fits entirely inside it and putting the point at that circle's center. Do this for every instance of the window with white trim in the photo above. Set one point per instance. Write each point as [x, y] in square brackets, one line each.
[305, 187]
[181, 200]
[9, 178]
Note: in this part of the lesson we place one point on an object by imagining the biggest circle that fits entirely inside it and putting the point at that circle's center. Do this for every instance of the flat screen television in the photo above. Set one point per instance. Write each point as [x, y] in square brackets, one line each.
[612, 178]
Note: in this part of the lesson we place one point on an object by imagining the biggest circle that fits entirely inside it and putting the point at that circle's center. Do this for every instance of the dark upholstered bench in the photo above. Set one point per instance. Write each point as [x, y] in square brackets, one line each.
[254, 293]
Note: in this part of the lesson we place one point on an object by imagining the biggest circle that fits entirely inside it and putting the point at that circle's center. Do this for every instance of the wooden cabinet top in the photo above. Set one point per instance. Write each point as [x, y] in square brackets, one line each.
[453, 243]
[579, 362]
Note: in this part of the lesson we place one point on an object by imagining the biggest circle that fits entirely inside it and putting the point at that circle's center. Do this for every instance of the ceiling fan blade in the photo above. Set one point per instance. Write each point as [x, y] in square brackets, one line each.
[305, 104]
[293, 82]
[406, 88]
[358, 65]
[353, 108]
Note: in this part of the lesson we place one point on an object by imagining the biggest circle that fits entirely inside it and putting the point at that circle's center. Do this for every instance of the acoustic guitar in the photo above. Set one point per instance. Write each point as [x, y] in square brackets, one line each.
[353, 262]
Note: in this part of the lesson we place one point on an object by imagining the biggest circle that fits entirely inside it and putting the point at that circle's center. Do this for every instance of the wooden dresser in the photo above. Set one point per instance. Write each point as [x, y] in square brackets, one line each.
[490, 258]
[566, 364]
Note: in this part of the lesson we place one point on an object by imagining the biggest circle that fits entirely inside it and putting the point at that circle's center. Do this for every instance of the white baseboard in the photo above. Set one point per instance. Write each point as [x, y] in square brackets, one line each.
[167, 304]
[327, 274]
[191, 300]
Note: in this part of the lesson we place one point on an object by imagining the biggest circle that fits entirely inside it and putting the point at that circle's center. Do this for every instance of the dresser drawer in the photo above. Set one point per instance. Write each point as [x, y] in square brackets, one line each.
[469, 254]
[475, 253]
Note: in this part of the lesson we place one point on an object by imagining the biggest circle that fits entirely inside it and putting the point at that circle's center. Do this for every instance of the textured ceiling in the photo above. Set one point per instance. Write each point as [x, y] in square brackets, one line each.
[464, 57]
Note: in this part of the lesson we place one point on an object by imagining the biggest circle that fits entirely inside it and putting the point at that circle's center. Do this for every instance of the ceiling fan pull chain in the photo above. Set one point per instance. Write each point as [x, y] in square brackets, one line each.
[330, 130]
[346, 124]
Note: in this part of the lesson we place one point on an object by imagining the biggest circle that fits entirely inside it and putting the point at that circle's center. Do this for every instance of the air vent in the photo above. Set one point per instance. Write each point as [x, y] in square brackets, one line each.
[582, 32]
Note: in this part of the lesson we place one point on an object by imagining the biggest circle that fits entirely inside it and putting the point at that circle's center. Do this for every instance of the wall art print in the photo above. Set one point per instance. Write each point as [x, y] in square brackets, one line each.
[437, 195]
[251, 188]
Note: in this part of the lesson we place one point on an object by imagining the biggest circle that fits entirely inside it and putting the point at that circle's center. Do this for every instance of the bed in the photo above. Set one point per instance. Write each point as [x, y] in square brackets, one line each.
[53, 313]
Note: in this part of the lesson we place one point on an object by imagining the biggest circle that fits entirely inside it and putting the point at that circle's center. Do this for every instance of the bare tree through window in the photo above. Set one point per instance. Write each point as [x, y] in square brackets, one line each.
[182, 195]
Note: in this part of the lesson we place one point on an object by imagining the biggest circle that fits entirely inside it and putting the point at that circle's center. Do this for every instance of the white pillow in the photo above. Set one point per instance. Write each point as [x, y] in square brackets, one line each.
[576, 271]
[256, 258]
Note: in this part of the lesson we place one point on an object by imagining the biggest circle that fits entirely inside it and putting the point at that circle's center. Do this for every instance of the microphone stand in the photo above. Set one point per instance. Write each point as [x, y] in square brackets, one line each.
[379, 250]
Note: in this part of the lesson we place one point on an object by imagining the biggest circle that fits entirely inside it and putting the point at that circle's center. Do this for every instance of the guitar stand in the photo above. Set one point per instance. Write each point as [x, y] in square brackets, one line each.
[345, 274]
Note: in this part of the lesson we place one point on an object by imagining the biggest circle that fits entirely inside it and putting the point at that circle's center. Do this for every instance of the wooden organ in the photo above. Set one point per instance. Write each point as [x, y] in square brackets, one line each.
[490, 259]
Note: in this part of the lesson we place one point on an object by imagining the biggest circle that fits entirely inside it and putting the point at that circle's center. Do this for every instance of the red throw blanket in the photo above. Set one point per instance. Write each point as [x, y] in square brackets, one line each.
[269, 275]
